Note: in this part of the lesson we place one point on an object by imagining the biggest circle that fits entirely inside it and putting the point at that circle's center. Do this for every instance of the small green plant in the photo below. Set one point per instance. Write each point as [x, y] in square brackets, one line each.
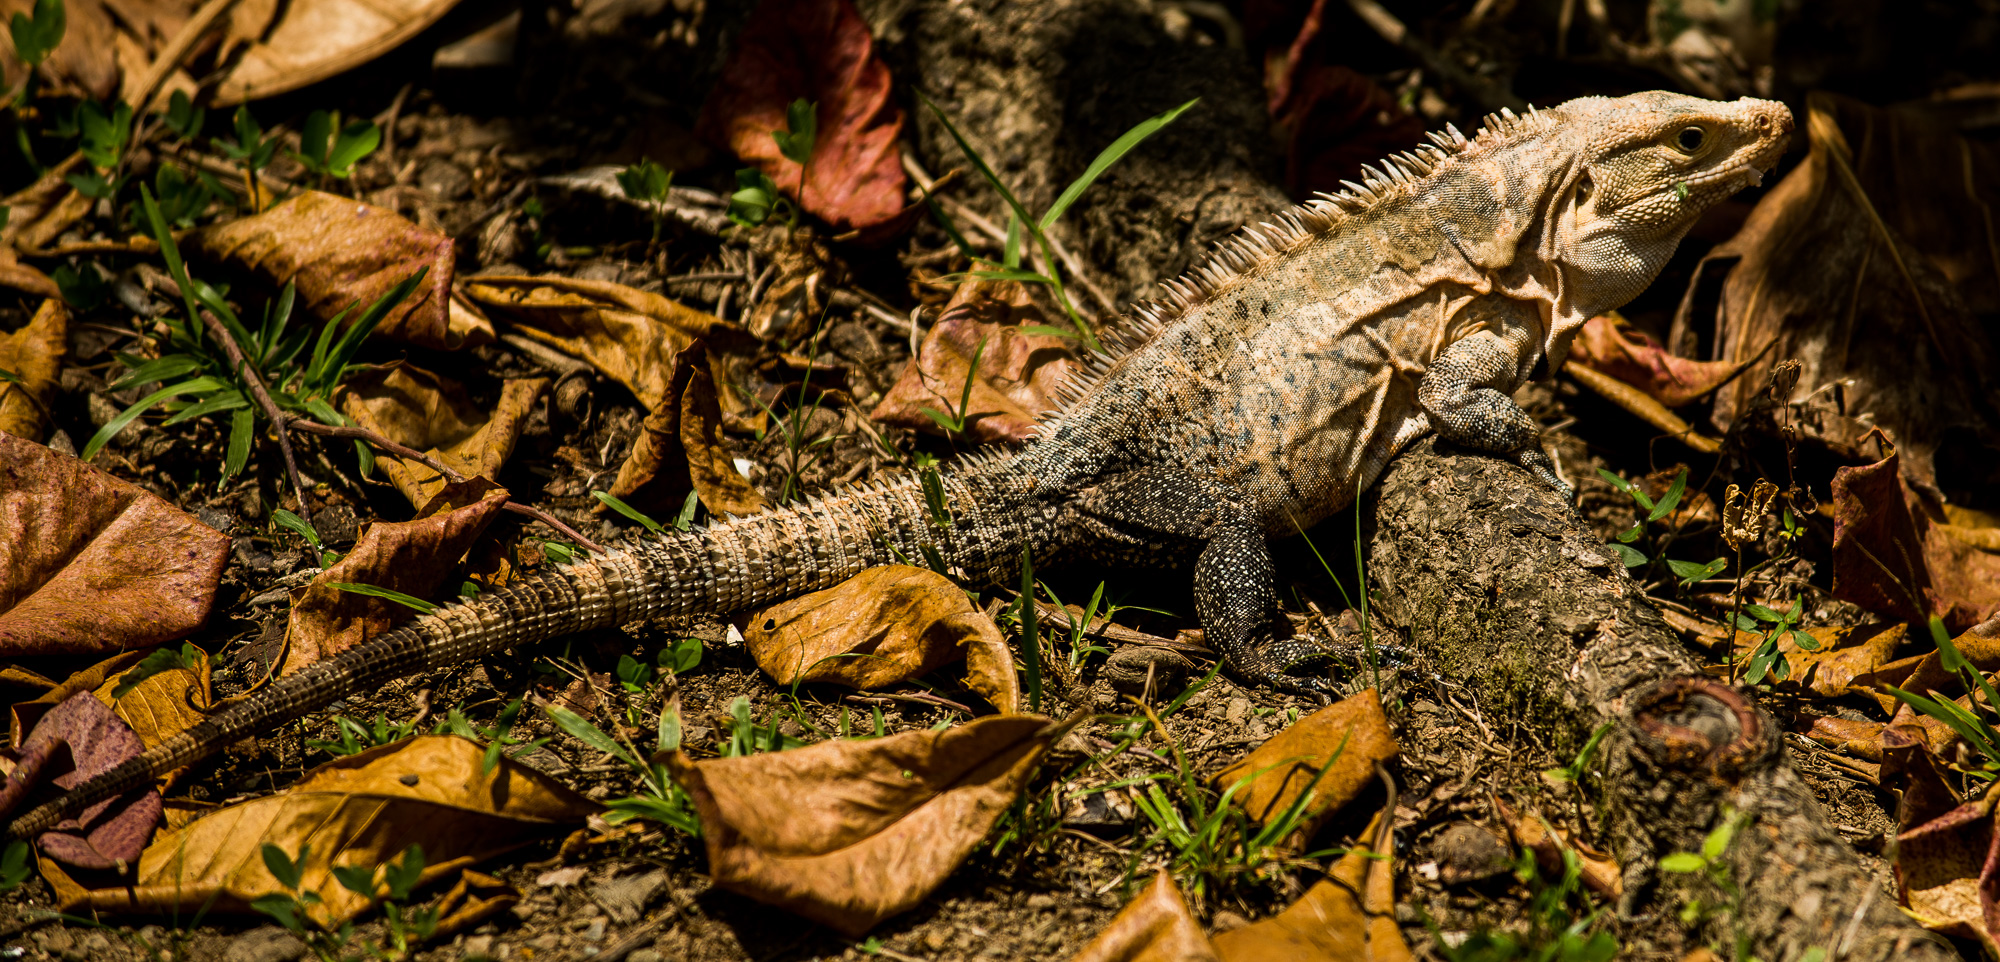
[636, 676]
[1967, 723]
[16, 863]
[105, 136]
[252, 149]
[35, 35]
[953, 423]
[499, 736]
[330, 150]
[411, 602]
[1031, 631]
[354, 737]
[1556, 933]
[757, 197]
[82, 287]
[183, 117]
[407, 928]
[199, 367]
[165, 659]
[1688, 572]
[184, 197]
[627, 510]
[648, 183]
[801, 451]
[662, 800]
[1038, 228]
[932, 483]
[304, 529]
[1709, 864]
[1771, 626]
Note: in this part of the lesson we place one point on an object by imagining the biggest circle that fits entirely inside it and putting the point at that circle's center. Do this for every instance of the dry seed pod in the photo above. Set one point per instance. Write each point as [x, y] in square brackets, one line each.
[1784, 378]
[1743, 519]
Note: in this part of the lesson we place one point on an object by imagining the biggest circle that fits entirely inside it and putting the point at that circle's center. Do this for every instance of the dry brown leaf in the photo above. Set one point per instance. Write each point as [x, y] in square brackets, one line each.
[89, 563]
[631, 335]
[1892, 558]
[411, 557]
[1945, 869]
[1349, 917]
[345, 254]
[107, 46]
[432, 414]
[680, 448]
[883, 626]
[1017, 377]
[362, 810]
[32, 354]
[821, 51]
[989, 663]
[1599, 870]
[1870, 263]
[1610, 344]
[1155, 927]
[316, 39]
[1351, 736]
[848, 833]
[1852, 736]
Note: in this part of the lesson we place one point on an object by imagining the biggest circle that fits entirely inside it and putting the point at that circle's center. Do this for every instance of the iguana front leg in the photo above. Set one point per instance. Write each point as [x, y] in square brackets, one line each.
[1459, 396]
[1148, 516]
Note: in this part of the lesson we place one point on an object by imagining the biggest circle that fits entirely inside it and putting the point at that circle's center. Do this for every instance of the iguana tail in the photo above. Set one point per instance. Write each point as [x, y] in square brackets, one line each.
[732, 564]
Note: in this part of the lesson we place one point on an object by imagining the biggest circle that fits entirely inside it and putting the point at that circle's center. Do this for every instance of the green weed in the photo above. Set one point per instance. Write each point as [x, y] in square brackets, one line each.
[662, 800]
[407, 927]
[1555, 933]
[355, 737]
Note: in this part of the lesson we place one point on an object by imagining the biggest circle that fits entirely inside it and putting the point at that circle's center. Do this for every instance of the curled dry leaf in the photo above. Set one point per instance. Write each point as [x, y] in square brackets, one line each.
[848, 833]
[316, 39]
[1155, 927]
[93, 740]
[362, 810]
[680, 448]
[823, 52]
[411, 557]
[1350, 736]
[1870, 263]
[1946, 869]
[416, 408]
[32, 355]
[89, 563]
[1892, 557]
[1611, 345]
[345, 254]
[631, 335]
[1349, 916]
[1017, 377]
[883, 626]
[1743, 517]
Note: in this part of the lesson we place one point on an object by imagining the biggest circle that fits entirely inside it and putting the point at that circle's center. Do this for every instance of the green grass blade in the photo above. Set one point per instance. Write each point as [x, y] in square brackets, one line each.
[173, 365]
[1110, 155]
[1671, 498]
[229, 400]
[977, 161]
[391, 594]
[125, 417]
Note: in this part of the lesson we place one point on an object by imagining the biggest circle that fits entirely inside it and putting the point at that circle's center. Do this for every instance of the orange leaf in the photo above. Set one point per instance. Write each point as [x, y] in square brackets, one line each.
[34, 354]
[416, 408]
[1610, 344]
[1349, 916]
[680, 448]
[848, 833]
[345, 254]
[1890, 557]
[1352, 735]
[1155, 927]
[882, 626]
[89, 563]
[1017, 377]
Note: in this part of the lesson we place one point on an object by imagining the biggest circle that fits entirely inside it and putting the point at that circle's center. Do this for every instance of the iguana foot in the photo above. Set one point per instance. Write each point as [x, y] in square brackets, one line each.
[1537, 462]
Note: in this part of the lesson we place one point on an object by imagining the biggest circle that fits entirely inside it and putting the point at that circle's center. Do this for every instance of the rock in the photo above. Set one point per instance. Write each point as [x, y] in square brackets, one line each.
[625, 898]
[1467, 853]
[1127, 668]
[267, 944]
[1237, 711]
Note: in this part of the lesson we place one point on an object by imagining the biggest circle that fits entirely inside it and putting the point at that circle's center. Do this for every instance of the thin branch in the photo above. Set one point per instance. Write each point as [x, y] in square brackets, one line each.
[255, 382]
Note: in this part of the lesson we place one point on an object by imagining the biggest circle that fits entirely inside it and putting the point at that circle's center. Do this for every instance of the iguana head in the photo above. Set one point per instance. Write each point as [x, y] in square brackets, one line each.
[1646, 166]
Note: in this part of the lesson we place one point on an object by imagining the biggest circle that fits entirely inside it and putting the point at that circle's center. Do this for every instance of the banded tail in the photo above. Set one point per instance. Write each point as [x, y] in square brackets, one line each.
[727, 566]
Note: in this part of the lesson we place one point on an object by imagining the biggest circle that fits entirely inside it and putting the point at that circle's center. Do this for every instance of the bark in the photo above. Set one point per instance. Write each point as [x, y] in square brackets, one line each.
[1493, 580]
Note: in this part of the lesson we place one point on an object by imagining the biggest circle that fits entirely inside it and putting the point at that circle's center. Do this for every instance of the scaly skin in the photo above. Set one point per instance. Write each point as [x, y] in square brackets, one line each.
[1267, 391]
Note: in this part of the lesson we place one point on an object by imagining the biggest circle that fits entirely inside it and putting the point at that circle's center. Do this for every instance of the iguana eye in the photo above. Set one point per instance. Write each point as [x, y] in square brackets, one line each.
[1584, 188]
[1690, 139]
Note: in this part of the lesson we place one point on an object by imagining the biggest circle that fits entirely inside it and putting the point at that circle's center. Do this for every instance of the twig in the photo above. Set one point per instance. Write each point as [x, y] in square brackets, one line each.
[407, 453]
[757, 286]
[255, 382]
[387, 121]
[1396, 32]
[707, 276]
[177, 50]
[921, 698]
[548, 356]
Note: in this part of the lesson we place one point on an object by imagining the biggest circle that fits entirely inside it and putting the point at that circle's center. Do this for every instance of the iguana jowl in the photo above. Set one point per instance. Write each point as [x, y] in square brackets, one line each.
[1269, 388]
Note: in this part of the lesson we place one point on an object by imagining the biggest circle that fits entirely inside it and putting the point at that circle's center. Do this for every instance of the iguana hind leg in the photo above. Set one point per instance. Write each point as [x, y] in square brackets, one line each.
[1459, 396]
[1149, 515]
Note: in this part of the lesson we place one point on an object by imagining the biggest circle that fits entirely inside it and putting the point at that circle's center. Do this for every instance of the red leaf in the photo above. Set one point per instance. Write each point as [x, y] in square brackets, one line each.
[96, 741]
[1611, 345]
[819, 50]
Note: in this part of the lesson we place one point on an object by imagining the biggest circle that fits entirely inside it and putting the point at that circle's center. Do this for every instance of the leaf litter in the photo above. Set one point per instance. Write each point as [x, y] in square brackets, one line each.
[652, 316]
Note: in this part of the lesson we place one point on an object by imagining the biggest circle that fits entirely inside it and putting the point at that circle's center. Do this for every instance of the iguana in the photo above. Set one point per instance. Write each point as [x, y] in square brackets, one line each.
[1266, 390]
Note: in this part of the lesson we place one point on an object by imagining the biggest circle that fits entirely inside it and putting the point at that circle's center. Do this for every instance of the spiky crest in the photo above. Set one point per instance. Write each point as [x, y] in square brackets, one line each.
[1289, 230]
